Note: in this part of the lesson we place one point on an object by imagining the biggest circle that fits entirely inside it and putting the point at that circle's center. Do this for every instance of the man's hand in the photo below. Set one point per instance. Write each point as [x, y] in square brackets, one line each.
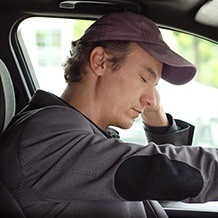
[154, 115]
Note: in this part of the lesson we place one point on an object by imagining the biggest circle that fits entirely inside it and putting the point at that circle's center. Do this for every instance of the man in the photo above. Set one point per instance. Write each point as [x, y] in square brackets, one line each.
[64, 161]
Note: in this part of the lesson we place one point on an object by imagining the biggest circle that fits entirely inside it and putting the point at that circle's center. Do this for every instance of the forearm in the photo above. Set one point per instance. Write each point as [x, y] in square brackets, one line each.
[177, 132]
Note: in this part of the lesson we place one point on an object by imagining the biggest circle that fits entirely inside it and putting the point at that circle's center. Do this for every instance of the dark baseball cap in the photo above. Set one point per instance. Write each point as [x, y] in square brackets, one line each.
[128, 26]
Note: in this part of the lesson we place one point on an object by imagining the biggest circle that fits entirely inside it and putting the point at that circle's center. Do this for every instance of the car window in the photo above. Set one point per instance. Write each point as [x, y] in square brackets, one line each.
[46, 43]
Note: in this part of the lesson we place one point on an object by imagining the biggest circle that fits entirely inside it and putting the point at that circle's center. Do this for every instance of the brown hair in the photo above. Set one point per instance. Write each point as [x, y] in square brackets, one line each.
[75, 65]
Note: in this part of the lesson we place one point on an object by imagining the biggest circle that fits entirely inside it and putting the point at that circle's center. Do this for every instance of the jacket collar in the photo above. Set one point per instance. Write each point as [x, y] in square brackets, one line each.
[45, 99]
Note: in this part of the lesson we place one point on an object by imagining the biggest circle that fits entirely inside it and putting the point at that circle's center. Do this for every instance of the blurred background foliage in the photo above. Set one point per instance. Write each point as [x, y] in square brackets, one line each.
[203, 54]
[79, 27]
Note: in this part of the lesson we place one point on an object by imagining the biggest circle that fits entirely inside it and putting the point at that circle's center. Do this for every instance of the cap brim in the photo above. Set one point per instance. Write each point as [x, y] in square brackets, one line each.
[176, 70]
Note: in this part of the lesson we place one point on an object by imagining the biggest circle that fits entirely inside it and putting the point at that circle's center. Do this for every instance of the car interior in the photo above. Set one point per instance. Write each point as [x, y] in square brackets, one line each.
[21, 75]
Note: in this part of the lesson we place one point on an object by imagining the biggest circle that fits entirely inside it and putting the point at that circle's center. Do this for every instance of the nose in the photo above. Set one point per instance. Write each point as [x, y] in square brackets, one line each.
[149, 98]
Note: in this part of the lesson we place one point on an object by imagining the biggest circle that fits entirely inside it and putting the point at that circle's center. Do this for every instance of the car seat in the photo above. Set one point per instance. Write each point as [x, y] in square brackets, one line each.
[7, 97]
[8, 206]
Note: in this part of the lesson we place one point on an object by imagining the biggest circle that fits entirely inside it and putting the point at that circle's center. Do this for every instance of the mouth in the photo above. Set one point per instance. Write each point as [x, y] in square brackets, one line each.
[138, 111]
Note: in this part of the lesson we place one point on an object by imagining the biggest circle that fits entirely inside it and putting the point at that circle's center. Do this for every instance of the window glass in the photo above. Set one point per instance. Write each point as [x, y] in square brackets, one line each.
[48, 40]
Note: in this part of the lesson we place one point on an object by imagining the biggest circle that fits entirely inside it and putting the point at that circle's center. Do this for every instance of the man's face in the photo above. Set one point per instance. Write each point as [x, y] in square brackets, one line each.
[131, 87]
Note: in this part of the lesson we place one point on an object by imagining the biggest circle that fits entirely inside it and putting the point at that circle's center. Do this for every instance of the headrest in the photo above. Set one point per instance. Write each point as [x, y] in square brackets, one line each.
[7, 97]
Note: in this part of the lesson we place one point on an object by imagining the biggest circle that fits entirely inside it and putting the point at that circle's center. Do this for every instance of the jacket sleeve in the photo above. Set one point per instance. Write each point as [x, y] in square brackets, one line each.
[70, 159]
[177, 133]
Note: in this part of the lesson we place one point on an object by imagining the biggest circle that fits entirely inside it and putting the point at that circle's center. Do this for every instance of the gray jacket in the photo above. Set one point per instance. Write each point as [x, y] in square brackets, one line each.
[57, 163]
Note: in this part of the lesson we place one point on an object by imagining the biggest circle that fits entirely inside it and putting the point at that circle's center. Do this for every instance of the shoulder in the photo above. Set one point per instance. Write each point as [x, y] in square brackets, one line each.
[52, 128]
[53, 118]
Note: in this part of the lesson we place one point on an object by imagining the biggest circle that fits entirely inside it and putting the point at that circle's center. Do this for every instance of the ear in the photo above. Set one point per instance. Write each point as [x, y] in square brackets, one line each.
[98, 60]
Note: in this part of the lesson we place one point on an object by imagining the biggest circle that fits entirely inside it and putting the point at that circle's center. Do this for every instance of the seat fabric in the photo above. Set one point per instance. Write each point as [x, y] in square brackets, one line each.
[7, 97]
[9, 208]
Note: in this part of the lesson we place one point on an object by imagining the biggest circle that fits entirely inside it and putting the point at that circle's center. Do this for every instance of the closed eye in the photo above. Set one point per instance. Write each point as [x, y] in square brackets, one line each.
[144, 80]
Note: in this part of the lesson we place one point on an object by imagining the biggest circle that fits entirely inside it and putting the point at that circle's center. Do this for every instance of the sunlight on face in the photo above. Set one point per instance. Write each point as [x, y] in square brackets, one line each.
[134, 81]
